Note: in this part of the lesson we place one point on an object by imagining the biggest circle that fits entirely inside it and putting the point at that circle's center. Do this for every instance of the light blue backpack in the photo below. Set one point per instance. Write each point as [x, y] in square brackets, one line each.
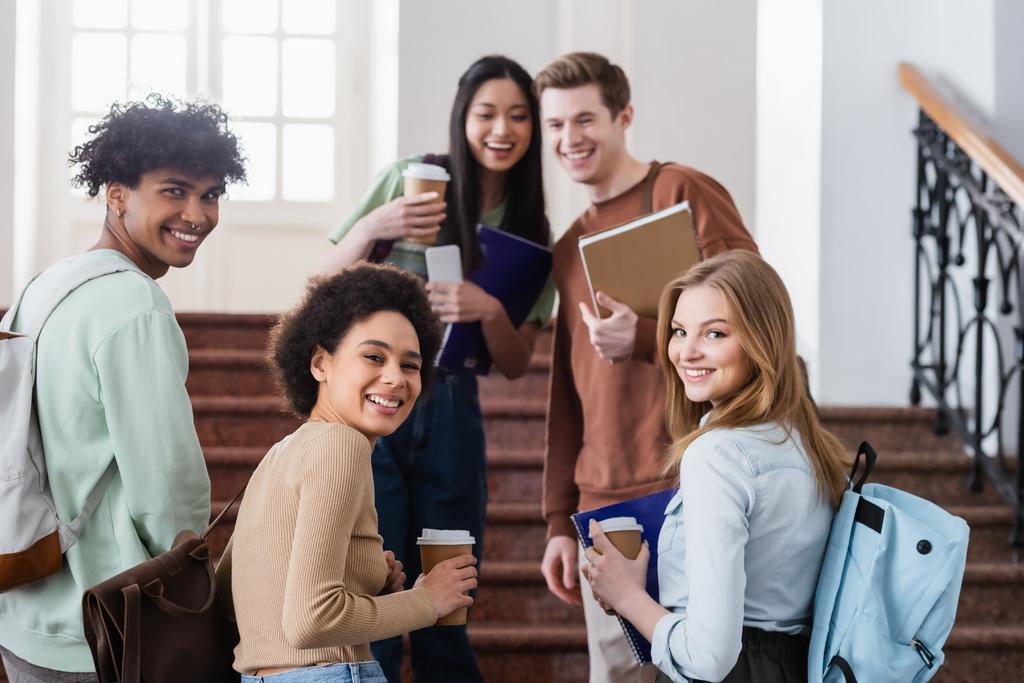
[888, 588]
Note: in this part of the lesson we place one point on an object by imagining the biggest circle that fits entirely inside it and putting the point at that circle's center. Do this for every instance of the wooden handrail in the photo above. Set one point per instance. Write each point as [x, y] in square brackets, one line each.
[993, 159]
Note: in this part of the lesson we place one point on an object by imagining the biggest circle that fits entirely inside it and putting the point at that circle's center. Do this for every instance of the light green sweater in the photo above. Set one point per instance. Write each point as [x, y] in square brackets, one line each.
[110, 384]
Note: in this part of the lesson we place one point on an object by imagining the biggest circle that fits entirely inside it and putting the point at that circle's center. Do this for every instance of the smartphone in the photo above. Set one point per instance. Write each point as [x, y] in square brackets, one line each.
[444, 264]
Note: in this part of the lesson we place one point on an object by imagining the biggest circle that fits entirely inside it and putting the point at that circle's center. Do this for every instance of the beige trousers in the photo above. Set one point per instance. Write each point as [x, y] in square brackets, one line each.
[611, 659]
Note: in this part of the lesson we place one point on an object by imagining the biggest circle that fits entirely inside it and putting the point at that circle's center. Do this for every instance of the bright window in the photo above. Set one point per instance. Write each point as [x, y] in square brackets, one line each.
[272, 63]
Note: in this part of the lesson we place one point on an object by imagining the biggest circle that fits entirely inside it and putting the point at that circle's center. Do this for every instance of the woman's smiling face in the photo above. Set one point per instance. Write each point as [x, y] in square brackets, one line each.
[372, 379]
[705, 349]
[498, 125]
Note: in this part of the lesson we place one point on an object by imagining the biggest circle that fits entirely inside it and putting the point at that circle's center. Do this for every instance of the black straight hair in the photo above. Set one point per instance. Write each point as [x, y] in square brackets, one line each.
[525, 188]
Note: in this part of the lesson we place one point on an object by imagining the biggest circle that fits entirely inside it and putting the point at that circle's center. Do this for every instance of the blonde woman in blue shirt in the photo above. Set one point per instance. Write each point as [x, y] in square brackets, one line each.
[759, 480]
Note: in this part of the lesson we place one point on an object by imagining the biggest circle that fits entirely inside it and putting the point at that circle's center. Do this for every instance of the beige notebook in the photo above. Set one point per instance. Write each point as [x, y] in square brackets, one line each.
[632, 263]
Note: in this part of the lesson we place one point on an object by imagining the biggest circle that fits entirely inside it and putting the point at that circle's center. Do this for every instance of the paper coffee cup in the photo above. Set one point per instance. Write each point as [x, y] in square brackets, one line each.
[625, 534]
[420, 178]
[438, 545]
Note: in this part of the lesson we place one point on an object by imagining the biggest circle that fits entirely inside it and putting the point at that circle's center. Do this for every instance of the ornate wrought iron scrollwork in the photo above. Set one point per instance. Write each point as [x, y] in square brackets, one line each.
[968, 315]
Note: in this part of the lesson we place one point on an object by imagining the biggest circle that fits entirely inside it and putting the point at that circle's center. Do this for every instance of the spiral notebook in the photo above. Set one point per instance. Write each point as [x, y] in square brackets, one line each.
[649, 511]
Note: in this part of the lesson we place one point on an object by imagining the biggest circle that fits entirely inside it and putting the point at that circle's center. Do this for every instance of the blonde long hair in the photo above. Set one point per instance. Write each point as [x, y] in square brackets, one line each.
[761, 312]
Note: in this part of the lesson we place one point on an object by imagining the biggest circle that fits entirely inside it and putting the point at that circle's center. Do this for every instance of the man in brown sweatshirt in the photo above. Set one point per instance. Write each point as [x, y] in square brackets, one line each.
[606, 438]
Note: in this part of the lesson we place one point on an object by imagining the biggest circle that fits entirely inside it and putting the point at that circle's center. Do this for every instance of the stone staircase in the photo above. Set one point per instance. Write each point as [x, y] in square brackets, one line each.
[521, 632]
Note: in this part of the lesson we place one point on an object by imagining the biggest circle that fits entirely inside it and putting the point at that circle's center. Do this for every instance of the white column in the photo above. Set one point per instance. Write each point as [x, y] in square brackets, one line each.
[789, 174]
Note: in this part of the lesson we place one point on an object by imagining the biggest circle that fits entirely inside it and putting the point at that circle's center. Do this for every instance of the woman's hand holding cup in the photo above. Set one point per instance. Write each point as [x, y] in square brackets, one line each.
[417, 217]
[613, 577]
[449, 583]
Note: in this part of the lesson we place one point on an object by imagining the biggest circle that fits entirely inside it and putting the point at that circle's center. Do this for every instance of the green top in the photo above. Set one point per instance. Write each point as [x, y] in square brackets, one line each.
[389, 185]
[110, 385]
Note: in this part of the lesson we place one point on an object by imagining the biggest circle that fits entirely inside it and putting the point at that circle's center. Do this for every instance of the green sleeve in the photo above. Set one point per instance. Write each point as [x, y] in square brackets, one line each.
[141, 368]
[388, 185]
[541, 311]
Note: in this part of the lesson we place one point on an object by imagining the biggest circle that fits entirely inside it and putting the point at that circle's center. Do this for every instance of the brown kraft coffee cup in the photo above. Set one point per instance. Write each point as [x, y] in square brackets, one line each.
[420, 178]
[438, 545]
[625, 534]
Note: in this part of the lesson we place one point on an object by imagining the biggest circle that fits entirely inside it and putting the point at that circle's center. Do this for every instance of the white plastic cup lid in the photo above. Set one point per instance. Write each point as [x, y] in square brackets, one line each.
[445, 537]
[620, 524]
[426, 172]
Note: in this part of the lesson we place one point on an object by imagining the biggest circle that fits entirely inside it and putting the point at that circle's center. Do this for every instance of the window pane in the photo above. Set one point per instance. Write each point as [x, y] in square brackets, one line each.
[250, 16]
[98, 70]
[259, 144]
[158, 64]
[308, 16]
[308, 162]
[307, 77]
[100, 13]
[160, 15]
[250, 76]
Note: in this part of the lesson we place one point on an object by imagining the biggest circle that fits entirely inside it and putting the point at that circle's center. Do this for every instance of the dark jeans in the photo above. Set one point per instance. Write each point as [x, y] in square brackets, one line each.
[766, 658]
[432, 473]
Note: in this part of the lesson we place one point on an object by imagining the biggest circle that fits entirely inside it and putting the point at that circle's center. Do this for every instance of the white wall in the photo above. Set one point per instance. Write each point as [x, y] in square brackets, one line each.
[691, 65]
[788, 219]
[8, 21]
[868, 162]
[1009, 80]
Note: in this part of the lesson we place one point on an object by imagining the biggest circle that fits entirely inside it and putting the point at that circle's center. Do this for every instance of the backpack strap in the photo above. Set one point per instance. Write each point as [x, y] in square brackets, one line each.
[69, 532]
[844, 667]
[870, 457]
[648, 202]
[75, 279]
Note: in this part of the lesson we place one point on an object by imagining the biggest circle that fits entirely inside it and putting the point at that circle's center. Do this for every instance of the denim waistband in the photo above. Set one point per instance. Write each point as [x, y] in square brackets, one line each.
[342, 672]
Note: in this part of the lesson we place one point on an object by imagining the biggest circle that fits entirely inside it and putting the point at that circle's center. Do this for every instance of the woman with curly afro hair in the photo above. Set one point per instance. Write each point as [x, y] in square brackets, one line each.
[310, 582]
[113, 413]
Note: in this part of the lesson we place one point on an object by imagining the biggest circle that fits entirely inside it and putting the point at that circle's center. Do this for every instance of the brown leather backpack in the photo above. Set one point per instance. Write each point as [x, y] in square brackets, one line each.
[160, 620]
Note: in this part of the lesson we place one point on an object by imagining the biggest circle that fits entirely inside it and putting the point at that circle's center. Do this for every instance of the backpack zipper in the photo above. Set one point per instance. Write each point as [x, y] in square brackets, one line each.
[923, 651]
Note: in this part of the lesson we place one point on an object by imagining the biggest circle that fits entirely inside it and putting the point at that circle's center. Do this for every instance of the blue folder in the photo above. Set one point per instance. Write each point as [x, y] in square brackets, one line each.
[649, 511]
[514, 271]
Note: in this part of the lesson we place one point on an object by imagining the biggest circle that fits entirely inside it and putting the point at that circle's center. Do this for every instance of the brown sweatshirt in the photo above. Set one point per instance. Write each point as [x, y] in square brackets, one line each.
[306, 563]
[606, 438]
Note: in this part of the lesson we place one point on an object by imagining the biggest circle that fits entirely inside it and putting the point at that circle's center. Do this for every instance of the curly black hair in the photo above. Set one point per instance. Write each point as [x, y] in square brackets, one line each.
[329, 309]
[138, 137]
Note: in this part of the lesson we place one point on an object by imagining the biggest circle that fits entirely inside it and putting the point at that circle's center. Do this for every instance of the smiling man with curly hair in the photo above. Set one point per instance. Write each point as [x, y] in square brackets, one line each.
[113, 411]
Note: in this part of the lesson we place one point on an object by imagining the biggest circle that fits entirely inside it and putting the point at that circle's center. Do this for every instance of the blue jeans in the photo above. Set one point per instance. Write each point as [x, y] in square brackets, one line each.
[432, 473]
[356, 672]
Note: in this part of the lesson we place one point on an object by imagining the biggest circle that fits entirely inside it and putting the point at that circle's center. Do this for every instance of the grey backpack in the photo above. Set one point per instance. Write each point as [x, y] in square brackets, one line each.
[32, 538]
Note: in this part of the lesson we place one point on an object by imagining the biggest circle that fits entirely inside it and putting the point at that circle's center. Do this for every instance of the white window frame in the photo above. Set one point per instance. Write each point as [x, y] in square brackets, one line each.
[61, 212]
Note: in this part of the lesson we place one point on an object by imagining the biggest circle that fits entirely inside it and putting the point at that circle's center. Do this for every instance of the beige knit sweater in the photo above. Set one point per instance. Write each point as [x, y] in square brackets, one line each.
[306, 564]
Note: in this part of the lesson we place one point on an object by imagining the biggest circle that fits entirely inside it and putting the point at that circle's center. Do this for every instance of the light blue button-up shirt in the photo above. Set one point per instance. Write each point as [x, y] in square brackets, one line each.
[742, 545]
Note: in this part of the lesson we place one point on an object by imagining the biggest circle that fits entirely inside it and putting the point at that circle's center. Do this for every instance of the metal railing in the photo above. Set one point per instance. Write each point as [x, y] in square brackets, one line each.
[969, 291]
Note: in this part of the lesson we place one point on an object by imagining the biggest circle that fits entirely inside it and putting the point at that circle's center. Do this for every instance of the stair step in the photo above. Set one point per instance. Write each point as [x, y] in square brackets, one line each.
[251, 330]
[990, 593]
[264, 420]
[244, 372]
[229, 372]
[533, 384]
[520, 421]
[513, 475]
[226, 330]
[514, 590]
